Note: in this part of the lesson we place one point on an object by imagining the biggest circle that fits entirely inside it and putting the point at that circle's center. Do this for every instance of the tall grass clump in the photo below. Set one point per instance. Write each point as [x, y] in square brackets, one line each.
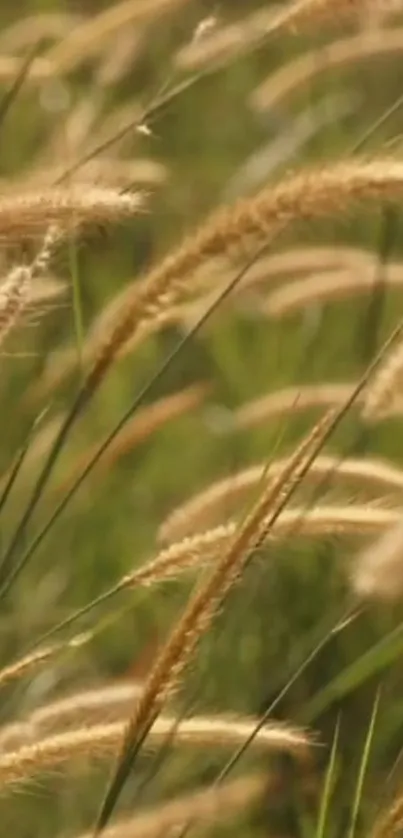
[201, 468]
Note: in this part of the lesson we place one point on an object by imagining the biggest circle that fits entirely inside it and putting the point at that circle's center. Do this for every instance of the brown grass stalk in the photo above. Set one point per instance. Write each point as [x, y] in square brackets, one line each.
[26, 664]
[203, 605]
[224, 497]
[307, 195]
[227, 41]
[298, 73]
[103, 172]
[384, 396]
[235, 39]
[289, 400]
[31, 661]
[330, 286]
[32, 29]
[29, 214]
[295, 261]
[101, 741]
[378, 570]
[16, 289]
[197, 550]
[90, 37]
[389, 822]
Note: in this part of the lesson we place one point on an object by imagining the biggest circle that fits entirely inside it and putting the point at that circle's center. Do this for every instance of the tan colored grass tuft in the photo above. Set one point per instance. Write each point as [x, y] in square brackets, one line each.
[103, 172]
[203, 605]
[378, 570]
[87, 40]
[101, 741]
[29, 214]
[32, 661]
[219, 500]
[22, 667]
[116, 63]
[199, 549]
[291, 77]
[289, 400]
[384, 396]
[389, 822]
[32, 29]
[209, 805]
[90, 707]
[235, 39]
[294, 261]
[330, 286]
[16, 289]
[99, 705]
[307, 195]
[227, 41]
[41, 69]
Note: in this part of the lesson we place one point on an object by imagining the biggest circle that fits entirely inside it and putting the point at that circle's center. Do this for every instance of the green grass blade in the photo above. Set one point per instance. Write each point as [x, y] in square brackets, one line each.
[328, 785]
[371, 663]
[6, 581]
[363, 768]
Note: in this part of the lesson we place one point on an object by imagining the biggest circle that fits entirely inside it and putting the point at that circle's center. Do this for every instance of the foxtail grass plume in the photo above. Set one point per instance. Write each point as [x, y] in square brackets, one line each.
[384, 396]
[101, 741]
[290, 77]
[220, 499]
[16, 290]
[29, 214]
[307, 195]
[378, 570]
[329, 287]
[204, 604]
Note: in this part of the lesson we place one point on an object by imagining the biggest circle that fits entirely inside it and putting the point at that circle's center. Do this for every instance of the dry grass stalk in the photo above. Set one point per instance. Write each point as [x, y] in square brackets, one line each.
[32, 29]
[90, 38]
[103, 172]
[307, 195]
[330, 286]
[378, 570]
[90, 707]
[290, 400]
[29, 662]
[25, 665]
[389, 822]
[99, 705]
[384, 396]
[242, 36]
[219, 500]
[100, 741]
[62, 362]
[45, 290]
[203, 605]
[227, 41]
[116, 63]
[303, 12]
[209, 805]
[15, 291]
[67, 141]
[40, 70]
[199, 549]
[146, 421]
[367, 45]
[290, 263]
[31, 213]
